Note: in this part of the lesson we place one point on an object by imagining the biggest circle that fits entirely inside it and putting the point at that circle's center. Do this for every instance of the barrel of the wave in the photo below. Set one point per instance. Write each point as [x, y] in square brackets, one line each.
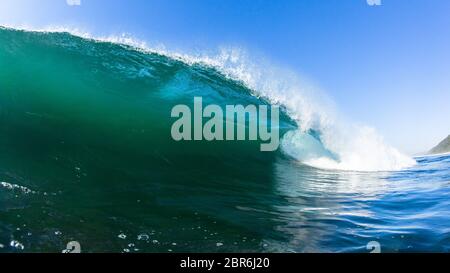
[58, 88]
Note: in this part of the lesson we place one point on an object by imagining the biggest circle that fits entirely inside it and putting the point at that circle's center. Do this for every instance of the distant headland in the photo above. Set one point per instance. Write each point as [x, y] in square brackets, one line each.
[442, 148]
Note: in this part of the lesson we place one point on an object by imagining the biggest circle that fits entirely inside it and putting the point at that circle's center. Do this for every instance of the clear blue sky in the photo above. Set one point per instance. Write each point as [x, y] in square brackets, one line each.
[386, 66]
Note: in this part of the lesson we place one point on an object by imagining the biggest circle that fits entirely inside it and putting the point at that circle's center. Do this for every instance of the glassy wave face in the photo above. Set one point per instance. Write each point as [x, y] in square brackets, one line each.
[87, 156]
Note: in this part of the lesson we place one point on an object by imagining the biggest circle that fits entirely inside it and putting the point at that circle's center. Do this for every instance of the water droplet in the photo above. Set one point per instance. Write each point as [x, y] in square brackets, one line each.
[16, 244]
[143, 237]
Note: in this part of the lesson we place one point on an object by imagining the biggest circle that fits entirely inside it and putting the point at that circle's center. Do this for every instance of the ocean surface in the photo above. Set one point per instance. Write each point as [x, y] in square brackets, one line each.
[86, 155]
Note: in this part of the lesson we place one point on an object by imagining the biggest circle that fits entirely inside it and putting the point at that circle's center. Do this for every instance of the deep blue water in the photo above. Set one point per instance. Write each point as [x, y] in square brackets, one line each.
[405, 211]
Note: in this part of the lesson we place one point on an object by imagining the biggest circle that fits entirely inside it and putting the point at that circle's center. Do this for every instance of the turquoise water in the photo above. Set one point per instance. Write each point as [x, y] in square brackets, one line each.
[86, 155]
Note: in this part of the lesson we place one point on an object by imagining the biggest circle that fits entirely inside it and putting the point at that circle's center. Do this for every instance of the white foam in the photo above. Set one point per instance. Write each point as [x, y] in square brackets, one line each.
[362, 149]
[10, 186]
[358, 148]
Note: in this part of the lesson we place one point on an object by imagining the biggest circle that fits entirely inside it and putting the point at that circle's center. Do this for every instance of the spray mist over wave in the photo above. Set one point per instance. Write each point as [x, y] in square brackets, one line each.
[334, 143]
